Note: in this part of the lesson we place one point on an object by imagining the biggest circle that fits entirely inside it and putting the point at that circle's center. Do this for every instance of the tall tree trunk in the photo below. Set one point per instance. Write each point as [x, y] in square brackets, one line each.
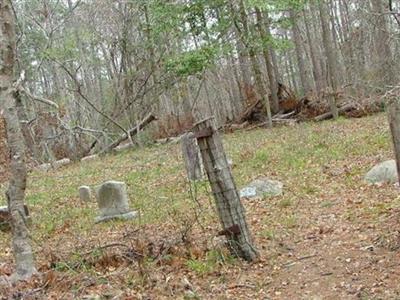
[305, 83]
[272, 51]
[16, 191]
[267, 58]
[316, 70]
[383, 66]
[331, 59]
[154, 98]
[245, 71]
[245, 36]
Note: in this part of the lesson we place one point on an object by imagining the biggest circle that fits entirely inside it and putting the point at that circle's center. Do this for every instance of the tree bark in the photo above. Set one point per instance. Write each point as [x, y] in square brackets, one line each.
[316, 70]
[394, 122]
[15, 194]
[306, 86]
[330, 54]
[383, 65]
[192, 157]
[245, 36]
[273, 85]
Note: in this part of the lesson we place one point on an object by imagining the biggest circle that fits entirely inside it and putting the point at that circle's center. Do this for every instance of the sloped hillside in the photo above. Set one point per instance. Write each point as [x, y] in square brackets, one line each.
[329, 236]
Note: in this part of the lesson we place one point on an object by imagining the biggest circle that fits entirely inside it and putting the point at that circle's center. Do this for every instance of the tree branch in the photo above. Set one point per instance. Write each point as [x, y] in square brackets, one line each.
[79, 91]
[21, 89]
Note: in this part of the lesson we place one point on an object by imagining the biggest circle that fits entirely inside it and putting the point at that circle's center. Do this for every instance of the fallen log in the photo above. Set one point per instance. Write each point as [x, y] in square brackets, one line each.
[172, 140]
[287, 121]
[233, 127]
[132, 132]
[283, 116]
[328, 115]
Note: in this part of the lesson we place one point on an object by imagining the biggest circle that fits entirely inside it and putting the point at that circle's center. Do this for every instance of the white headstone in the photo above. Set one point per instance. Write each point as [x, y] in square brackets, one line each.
[112, 200]
[85, 193]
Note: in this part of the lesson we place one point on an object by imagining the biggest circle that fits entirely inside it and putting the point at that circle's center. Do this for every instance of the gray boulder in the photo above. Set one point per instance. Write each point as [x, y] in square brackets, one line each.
[385, 172]
[112, 200]
[262, 187]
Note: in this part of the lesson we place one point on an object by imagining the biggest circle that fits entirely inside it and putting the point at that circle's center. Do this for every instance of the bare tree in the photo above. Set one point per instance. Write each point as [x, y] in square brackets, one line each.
[305, 82]
[330, 54]
[16, 191]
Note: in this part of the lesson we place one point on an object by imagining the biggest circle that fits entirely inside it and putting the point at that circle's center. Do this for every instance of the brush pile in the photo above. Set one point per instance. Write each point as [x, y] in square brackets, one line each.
[313, 107]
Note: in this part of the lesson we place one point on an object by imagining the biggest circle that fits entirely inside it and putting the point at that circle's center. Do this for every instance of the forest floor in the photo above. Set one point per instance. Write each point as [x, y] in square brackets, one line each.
[330, 236]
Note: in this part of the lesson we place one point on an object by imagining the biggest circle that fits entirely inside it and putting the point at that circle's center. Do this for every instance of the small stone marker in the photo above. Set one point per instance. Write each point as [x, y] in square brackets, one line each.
[85, 193]
[112, 200]
[385, 172]
[262, 187]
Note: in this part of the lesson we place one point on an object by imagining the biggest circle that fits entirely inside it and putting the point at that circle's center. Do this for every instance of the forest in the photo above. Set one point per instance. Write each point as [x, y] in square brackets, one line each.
[199, 149]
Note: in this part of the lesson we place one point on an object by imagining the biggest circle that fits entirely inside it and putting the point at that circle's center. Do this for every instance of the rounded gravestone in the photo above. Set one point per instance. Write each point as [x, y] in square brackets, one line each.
[112, 199]
[85, 193]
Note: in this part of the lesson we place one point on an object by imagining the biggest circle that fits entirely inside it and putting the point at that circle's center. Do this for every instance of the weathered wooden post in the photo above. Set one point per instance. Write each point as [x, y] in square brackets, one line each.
[229, 207]
[394, 122]
[191, 156]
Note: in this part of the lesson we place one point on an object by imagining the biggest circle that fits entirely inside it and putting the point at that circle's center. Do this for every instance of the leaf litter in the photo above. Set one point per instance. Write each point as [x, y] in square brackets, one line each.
[329, 236]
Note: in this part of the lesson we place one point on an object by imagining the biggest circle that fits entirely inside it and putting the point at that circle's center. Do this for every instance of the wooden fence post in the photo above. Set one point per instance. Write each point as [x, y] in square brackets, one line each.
[229, 207]
[191, 156]
[394, 122]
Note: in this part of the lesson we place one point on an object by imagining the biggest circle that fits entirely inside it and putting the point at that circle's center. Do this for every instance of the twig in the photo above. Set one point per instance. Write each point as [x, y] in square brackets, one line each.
[37, 98]
[280, 116]
[18, 86]
[105, 247]
[79, 91]
[288, 264]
